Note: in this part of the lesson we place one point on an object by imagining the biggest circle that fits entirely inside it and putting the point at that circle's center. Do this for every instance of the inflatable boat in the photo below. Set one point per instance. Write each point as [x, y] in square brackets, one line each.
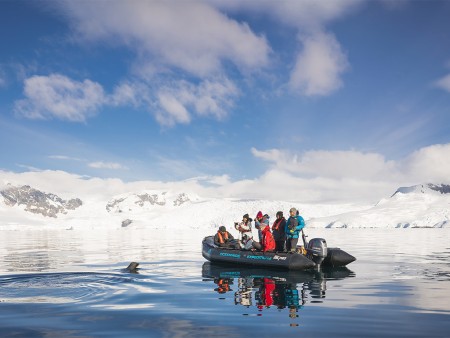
[318, 254]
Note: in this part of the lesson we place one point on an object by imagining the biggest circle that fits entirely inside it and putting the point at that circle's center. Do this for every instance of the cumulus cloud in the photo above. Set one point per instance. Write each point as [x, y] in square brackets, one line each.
[57, 96]
[190, 35]
[331, 164]
[319, 65]
[321, 62]
[349, 175]
[288, 177]
[183, 52]
[302, 14]
[129, 93]
[428, 164]
[173, 110]
[443, 83]
[178, 102]
[106, 165]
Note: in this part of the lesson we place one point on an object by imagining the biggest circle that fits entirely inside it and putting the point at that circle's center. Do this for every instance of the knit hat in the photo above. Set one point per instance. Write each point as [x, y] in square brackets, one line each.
[222, 228]
[246, 216]
[259, 215]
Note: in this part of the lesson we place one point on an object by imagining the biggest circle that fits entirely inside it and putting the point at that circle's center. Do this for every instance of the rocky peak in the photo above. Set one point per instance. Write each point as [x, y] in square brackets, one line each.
[38, 202]
[424, 188]
[146, 200]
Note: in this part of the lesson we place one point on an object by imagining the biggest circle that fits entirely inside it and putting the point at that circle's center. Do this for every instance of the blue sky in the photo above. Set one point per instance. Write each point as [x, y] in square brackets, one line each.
[314, 99]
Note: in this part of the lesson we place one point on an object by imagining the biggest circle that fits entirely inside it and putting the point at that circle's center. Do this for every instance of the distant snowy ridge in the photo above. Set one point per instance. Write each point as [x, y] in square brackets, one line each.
[418, 206]
[424, 188]
[38, 202]
[425, 205]
[146, 200]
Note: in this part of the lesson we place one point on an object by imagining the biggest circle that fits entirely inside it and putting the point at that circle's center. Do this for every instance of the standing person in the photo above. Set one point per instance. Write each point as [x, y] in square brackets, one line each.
[294, 225]
[258, 220]
[267, 243]
[279, 231]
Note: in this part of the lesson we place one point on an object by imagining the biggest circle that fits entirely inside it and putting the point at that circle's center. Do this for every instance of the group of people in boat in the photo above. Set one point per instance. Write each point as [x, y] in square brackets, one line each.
[282, 236]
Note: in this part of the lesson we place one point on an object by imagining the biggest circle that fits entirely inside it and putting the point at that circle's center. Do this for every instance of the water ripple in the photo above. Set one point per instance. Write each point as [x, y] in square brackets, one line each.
[71, 287]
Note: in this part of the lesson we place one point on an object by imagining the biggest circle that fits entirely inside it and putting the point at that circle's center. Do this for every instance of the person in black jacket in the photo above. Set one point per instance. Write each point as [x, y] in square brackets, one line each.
[279, 231]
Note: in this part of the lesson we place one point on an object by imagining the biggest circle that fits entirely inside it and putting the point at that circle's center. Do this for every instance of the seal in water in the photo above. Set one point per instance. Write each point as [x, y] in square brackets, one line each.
[133, 267]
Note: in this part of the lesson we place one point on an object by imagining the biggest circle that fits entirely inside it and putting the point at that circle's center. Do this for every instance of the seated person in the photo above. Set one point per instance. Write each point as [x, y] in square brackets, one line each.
[267, 243]
[246, 243]
[224, 239]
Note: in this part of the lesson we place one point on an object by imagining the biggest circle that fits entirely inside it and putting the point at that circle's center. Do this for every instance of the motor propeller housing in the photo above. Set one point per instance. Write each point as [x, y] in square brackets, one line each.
[317, 250]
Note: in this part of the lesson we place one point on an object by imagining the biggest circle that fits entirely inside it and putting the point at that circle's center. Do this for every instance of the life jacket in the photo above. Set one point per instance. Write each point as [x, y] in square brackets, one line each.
[276, 224]
[224, 238]
[223, 286]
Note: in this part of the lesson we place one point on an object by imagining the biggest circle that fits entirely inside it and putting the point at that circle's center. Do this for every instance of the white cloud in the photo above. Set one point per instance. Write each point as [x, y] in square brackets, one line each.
[178, 102]
[173, 111]
[64, 158]
[191, 35]
[57, 96]
[319, 65]
[428, 164]
[313, 177]
[129, 93]
[443, 83]
[349, 175]
[106, 165]
[302, 14]
[321, 61]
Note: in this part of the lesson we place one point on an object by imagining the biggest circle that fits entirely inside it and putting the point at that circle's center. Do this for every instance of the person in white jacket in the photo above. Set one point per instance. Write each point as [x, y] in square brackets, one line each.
[245, 232]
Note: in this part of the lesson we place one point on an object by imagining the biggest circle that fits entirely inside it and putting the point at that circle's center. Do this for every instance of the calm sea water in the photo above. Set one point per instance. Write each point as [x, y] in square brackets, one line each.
[72, 284]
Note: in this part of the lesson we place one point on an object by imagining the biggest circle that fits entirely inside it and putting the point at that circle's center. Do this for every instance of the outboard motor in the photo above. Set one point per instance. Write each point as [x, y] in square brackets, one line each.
[317, 250]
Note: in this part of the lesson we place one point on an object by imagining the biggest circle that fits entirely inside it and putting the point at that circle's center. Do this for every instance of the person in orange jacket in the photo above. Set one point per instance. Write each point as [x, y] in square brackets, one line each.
[224, 239]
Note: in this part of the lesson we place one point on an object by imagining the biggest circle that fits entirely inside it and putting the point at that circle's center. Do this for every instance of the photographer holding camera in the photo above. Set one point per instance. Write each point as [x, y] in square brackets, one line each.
[245, 232]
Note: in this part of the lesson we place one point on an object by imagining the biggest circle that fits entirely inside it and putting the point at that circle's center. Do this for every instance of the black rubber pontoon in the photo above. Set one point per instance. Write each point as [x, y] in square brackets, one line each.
[335, 257]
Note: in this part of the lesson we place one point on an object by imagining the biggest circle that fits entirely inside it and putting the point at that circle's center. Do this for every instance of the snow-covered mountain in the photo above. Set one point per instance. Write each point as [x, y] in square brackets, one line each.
[425, 189]
[38, 202]
[425, 205]
[147, 200]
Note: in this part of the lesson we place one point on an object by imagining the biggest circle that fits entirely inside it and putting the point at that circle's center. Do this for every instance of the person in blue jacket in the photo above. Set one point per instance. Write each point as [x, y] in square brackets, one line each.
[294, 225]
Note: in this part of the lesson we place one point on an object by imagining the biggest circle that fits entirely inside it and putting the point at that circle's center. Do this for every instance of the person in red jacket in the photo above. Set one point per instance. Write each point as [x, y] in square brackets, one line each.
[267, 243]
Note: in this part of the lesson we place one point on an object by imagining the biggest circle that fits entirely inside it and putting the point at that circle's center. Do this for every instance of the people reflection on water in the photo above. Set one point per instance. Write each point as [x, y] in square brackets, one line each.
[244, 294]
[269, 293]
[223, 285]
[263, 291]
[264, 296]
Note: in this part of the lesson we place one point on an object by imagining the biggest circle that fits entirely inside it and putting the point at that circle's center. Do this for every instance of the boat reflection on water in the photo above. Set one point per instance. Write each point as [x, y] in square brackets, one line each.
[266, 288]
